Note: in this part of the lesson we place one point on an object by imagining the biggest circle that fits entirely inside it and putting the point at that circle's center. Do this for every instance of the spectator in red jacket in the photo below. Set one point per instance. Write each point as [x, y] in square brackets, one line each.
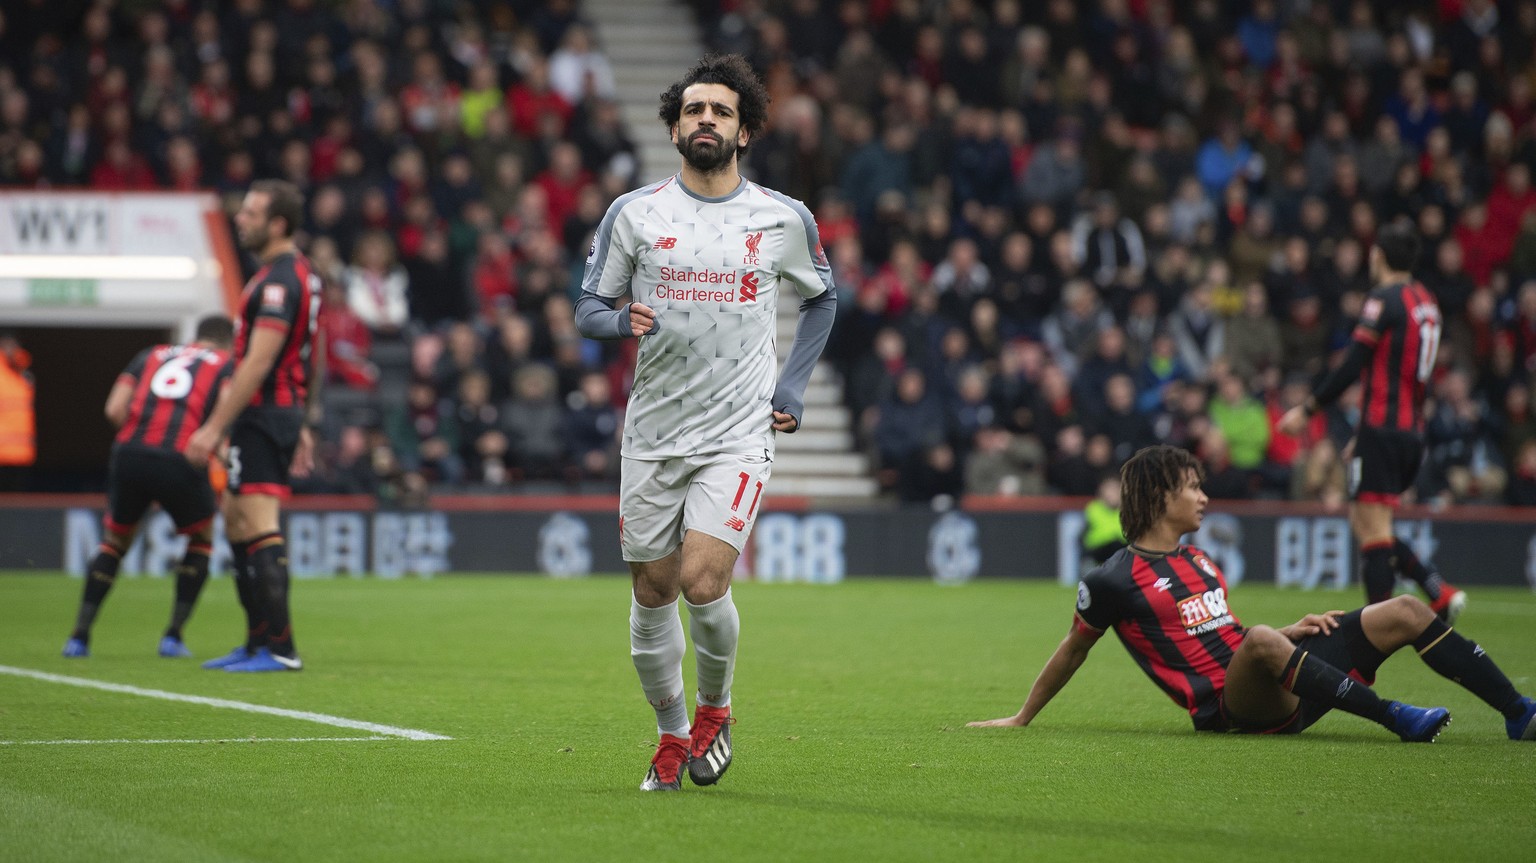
[494, 276]
[430, 103]
[348, 341]
[1475, 234]
[562, 183]
[1507, 206]
[122, 170]
[531, 99]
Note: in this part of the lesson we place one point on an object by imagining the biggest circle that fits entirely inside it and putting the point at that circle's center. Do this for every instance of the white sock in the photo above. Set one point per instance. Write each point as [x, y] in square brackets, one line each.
[656, 645]
[715, 627]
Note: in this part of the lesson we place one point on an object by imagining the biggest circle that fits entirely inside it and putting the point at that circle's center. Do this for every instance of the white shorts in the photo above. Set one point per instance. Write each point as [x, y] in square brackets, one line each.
[719, 494]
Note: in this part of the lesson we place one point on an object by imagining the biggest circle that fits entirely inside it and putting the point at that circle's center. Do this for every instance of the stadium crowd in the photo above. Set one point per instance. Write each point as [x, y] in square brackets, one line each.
[1060, 230]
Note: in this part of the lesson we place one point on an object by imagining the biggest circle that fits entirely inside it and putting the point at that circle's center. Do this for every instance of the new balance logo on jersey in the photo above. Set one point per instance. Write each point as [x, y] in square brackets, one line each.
[748, 287]
[735, 523]
[753, 241]
[665, 243]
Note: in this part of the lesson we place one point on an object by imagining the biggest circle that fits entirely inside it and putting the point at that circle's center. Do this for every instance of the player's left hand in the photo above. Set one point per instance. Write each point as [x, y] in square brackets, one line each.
[303, 455]
[1294, 422]
[784, 422]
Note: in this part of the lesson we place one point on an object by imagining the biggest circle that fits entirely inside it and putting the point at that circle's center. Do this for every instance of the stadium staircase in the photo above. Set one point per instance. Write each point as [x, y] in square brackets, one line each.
[649, 43]
[821, 460]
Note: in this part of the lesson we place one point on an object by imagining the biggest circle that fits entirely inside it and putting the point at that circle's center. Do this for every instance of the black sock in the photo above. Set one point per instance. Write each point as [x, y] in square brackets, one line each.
[191, 575]
[99, 578]
[1426, 577]
[250, 599]
[1315, 680]
[269, 560]
[1464, 662]
[1376, 571]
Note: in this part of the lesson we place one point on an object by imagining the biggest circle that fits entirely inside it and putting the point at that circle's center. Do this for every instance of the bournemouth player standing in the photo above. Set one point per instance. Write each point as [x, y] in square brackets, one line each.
[704, 256]
[272, 402]
[1393, 357]
[158, 401]
[1168, 604]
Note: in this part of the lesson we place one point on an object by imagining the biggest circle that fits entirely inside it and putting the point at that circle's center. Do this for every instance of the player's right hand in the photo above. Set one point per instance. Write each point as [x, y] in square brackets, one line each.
[1313, 624]
[642, 319]
[201, 445]
[303, 463]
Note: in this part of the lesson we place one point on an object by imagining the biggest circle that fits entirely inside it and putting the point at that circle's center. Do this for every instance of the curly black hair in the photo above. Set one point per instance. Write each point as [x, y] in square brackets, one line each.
[733, 71]
[1146, 480]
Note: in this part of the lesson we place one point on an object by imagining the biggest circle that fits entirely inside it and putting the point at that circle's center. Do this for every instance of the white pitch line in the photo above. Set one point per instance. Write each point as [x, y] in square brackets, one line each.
[210, 740]
[304, 715]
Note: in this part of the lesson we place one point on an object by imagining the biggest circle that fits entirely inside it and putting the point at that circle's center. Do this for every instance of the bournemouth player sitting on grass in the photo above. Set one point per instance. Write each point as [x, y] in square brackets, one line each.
[157, 402]
[1168, 604]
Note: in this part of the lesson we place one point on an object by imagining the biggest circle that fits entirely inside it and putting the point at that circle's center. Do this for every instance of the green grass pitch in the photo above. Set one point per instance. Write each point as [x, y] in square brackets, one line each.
[850, 744]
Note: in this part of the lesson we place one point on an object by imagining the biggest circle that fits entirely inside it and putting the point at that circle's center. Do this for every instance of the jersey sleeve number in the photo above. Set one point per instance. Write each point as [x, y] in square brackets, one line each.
[1429, 347]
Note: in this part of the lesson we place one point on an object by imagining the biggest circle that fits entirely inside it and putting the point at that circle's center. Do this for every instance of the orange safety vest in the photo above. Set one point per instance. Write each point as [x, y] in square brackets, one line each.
[18, 429]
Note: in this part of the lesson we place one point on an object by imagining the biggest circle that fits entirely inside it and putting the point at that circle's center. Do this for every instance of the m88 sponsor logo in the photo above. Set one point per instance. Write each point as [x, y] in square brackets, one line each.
[1204, 611]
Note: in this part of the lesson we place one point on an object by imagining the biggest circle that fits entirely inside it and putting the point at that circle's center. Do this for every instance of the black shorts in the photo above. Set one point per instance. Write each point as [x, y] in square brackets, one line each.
[142, 475]
[1346, 649]
[1385, 464]
[261, 446]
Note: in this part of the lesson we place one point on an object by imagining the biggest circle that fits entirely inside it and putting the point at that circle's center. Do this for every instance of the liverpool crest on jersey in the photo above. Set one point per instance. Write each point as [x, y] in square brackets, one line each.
[753, 241]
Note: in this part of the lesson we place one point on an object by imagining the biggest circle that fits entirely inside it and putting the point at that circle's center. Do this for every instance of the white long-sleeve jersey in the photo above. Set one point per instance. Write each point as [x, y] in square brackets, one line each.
[712, 269]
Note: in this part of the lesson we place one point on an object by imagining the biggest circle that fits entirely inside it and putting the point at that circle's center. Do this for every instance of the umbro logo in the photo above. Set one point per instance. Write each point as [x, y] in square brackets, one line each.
[1162, 583]
[748, 290]
[735, 523]
[665, 243]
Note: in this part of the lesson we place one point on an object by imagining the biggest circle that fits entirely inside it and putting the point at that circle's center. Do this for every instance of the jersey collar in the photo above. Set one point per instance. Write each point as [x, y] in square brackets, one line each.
[740, 187]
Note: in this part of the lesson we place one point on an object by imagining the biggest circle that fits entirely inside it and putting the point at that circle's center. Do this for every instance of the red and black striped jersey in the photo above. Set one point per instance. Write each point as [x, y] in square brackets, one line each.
[1171, 614]
[284, 295]
[174, 390]
[1401, 325]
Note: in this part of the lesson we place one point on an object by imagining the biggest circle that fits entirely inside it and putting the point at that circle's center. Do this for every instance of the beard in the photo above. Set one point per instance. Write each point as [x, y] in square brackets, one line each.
[253, 240]
[707, 152]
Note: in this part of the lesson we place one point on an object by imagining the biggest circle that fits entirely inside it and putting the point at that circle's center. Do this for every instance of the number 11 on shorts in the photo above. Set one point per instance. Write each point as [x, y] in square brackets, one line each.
[741, 490]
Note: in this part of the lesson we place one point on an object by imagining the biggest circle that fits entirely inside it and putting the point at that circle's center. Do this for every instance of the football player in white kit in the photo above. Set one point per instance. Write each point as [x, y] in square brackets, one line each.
[703, 256]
